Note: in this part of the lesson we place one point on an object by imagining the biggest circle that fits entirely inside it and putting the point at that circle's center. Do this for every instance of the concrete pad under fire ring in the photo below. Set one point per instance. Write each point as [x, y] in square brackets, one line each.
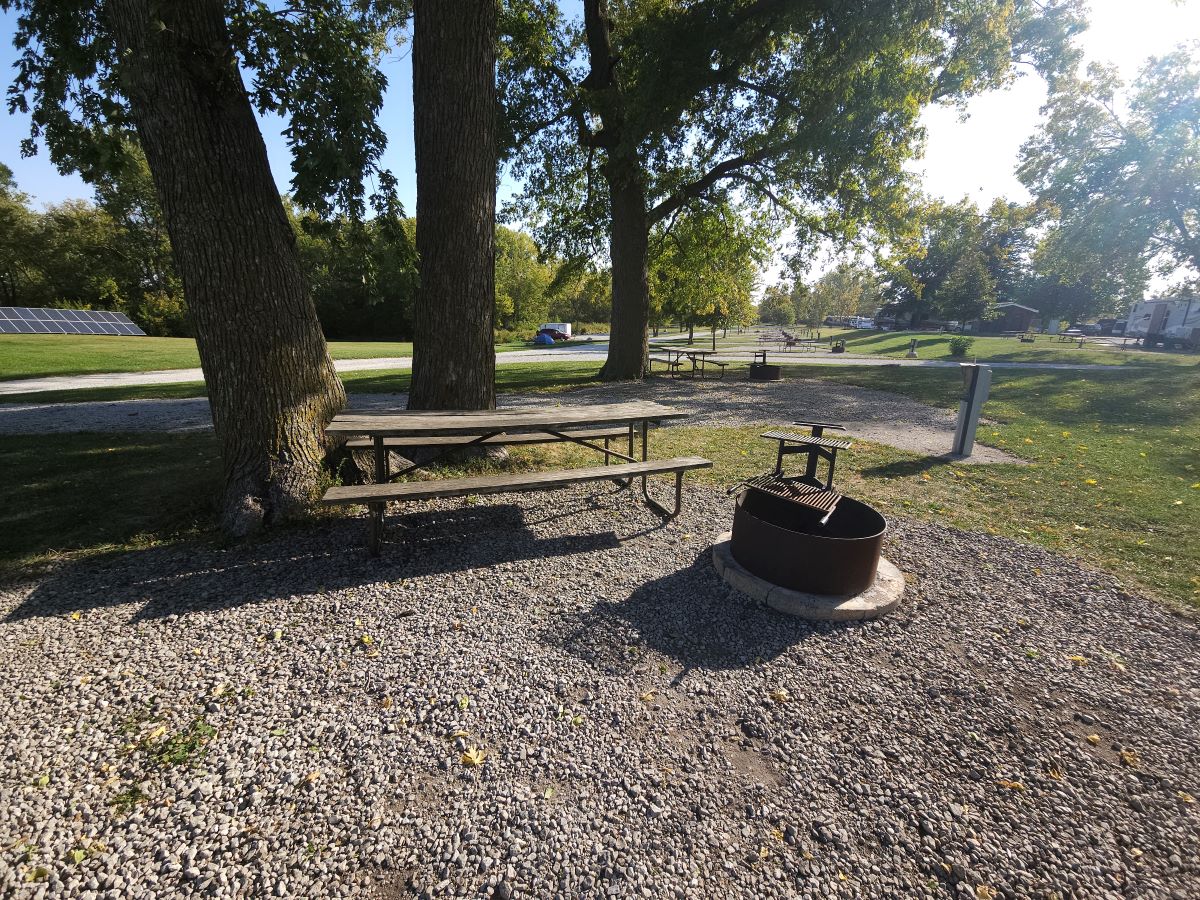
[881, 597]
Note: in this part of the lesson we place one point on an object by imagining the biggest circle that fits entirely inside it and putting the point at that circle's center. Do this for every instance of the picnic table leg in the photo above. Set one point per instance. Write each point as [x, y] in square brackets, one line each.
[375, 510]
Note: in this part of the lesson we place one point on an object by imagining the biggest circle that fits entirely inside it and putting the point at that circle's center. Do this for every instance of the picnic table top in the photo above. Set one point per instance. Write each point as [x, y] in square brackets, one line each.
[437, 423]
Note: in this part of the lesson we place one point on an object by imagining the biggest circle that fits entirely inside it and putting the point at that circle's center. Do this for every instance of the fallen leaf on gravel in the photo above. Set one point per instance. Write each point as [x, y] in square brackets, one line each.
[312, 776]
[780, 695]
[1093, 739]
[78, 856]
[366, 640]
[386, 703]
[38, 873]
[41, 781]
[983, 892]
[76, 616]
[1185, 797]
[548, 793]
[763, 852]
[1130, 758]
[1011, 785]
[1135, 852]
[157, 733]
[648, 696]
[463, 702]
[777, 834]
[459, 734]
[278, 732]
[1078, 660]
[473, 757]
[1054, 773]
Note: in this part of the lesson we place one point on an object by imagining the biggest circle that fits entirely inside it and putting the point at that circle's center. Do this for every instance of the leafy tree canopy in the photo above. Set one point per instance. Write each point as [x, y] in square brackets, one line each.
[704, 267]
[807, 108]
[313, 62]
[1124, 182]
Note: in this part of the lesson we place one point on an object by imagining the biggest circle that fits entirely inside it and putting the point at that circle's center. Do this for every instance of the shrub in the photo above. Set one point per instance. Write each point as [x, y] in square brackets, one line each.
[960, 346]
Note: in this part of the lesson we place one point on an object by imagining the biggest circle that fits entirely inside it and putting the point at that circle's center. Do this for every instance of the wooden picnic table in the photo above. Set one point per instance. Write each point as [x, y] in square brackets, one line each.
[674, 355]
[701, 357]
[496, 426]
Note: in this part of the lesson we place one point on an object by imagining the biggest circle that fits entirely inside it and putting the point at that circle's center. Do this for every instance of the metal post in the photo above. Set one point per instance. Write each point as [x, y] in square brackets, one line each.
[977, 380]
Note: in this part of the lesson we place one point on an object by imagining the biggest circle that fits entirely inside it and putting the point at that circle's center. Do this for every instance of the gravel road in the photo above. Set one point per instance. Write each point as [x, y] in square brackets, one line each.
[872, 415]
[291, 718]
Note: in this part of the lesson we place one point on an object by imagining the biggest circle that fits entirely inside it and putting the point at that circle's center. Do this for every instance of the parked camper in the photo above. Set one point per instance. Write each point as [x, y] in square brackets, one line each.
[1172, 323]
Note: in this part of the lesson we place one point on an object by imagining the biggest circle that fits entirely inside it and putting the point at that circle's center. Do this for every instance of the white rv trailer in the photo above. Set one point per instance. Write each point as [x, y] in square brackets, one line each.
[1172, 323]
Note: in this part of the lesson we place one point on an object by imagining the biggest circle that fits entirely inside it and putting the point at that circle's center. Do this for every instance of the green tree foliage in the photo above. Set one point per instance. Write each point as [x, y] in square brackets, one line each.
[704, 266]
[809, 109]
[18, 241]
[946, 273]
[580, 292]
[1125, 183]
[522, 281]
[848, 289]
[776, 307]
[363, 275]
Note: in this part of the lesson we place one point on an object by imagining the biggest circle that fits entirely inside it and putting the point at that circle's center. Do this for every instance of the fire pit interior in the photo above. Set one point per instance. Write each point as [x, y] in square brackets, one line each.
[803, 547]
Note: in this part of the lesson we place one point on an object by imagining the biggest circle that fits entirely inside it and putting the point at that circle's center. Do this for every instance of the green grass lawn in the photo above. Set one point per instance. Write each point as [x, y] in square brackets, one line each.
[1045, 349]
[1114, 473]
[41, 355]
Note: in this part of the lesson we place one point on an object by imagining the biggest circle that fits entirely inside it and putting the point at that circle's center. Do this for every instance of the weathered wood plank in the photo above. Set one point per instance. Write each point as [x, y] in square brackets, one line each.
[418, 423]
[502, 484]
[537, 437]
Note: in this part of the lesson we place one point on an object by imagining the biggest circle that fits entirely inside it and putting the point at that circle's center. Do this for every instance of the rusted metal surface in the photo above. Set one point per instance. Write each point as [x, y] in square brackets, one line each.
[784, 542]
[795, 491]
[776, 434]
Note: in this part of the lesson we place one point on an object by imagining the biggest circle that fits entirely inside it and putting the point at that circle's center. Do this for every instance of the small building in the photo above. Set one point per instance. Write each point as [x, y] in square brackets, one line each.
[1009, 317]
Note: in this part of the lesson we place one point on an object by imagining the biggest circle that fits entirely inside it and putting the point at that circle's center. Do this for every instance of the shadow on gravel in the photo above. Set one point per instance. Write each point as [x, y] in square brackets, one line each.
[328, 556]
[691, 616]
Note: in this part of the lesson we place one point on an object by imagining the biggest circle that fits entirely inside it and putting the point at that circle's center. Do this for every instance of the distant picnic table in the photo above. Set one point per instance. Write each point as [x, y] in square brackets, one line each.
[455, 430]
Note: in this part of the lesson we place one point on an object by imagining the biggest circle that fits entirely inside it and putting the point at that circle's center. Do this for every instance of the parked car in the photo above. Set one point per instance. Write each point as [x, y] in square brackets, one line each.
[555, 334]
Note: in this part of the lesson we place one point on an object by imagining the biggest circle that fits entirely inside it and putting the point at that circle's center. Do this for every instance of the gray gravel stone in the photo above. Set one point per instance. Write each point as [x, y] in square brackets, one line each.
[290, 717]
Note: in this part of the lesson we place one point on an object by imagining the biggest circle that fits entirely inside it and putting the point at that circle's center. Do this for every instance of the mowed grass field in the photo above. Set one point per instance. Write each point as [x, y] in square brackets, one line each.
[42, 355]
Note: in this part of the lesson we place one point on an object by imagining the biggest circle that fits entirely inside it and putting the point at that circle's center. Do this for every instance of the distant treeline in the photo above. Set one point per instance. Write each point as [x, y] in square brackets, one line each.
[113, 253]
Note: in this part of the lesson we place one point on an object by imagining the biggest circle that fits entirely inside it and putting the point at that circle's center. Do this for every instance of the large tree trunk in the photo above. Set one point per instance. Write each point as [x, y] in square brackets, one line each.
[271, 384]
[454, 119]
[628, 353]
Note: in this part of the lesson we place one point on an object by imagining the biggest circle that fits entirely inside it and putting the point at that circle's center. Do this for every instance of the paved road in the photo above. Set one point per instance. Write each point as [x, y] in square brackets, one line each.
[578, 353]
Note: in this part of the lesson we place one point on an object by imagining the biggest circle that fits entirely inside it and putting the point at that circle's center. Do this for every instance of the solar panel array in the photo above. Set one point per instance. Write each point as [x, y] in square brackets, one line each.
[24, 320]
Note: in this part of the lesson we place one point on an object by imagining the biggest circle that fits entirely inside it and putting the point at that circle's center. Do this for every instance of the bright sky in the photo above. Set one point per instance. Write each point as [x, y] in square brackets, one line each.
[974, 158]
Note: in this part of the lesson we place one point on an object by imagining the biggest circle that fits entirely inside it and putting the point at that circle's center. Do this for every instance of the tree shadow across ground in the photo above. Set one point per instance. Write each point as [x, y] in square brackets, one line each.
[690, 616]
[329, 556]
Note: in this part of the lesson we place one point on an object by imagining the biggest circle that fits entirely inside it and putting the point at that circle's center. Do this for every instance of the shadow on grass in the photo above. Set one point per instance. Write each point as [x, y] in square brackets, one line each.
[326, 556]
[690, 616]
[908, 467]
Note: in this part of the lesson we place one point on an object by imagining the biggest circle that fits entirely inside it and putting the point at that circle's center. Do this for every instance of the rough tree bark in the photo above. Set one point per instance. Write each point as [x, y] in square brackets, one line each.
[454, 125]
[271, 383]
[628, 347]
[628, 350]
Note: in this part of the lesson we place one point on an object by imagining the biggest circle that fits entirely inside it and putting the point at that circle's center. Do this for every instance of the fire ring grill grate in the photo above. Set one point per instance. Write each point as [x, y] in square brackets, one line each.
[809, 495]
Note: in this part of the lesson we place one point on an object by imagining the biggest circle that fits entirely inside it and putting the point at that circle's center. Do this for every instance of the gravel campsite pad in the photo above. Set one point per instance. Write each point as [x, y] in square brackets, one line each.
[872, 415]
[555, 695]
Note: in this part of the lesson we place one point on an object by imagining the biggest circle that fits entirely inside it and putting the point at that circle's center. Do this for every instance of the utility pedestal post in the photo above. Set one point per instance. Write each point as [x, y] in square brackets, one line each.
[977, 381]
[912, 349]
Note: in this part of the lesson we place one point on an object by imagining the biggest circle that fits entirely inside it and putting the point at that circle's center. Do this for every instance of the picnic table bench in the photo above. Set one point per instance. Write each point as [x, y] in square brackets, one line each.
[451, 430]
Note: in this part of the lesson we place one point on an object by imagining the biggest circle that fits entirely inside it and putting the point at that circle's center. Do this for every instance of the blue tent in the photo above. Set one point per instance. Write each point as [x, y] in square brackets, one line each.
[543, 339]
